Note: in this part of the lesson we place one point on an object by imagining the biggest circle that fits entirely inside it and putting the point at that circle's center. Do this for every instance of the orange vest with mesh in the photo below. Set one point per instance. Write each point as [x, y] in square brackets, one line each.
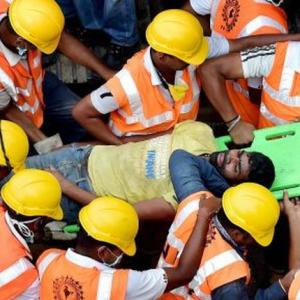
[60, 277]
[143, 107]
[24, 83]
[240, 18]
[281, 88]
[220, 263]
[13, 281]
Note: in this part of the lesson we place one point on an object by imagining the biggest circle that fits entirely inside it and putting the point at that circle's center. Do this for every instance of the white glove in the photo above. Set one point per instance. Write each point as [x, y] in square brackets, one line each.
[48, 144]
[55, 231]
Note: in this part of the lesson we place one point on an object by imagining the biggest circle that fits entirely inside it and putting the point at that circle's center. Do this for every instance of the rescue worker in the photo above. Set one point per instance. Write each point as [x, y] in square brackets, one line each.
[248, 215]
[235, 19]
[38, 101]
[29, 198]
[278, 64]
[14, 148]
[139, 171]
[158, 87]
[108, 230]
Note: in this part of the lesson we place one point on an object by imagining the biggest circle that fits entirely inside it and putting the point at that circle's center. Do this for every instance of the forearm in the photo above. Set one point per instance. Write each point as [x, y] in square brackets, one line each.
[294, 255]
[12, 113]
[80, 54]
[260, 40]
[138, 138]
[213, 83]
[187, 267]
[77, 194]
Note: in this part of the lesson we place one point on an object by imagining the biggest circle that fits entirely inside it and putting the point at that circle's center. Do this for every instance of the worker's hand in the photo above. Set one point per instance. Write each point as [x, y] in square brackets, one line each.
[242, 133]
[209, 204]
[286, 281]
[61, 179]
[290, 206]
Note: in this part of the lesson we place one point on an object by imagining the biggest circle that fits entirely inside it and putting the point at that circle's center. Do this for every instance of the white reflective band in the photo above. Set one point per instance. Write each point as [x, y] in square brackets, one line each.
[39, 80]
[181, 291]
[271, 117]
[163, 264]
[105, 284]
[46, 261]
[36, 61]
[32, 109]
[8, 84]
[187, 210]
[201, 295]
[237, 87]
[258, 22]
[176, 243]
[298, 296]
[213, 265]
[281, 96]
[14, 271]
[131, 91]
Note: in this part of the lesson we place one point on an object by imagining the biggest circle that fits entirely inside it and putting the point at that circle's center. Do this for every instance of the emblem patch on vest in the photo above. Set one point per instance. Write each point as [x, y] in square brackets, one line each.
[66, 288]
[230, 14]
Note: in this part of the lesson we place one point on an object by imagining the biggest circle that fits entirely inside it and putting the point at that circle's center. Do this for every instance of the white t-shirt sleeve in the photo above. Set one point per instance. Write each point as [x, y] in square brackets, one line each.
[217, 46]
[103, 100]
[146, 285]
[201, 7]
[258, 62]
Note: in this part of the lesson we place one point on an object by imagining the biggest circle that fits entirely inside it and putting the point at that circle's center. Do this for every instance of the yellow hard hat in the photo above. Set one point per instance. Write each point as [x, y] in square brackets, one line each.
[111, 220]
[14, 145]
[38, 22]
[253, 208]
[177, 32]
[33, 192]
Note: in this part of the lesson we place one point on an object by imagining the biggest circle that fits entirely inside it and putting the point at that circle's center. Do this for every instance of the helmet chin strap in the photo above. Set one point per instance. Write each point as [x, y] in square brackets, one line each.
[276, 3]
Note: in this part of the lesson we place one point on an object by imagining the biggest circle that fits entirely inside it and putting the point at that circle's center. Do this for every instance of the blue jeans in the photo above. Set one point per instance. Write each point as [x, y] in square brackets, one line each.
[71, 162]
[59, 101]
[115, 17]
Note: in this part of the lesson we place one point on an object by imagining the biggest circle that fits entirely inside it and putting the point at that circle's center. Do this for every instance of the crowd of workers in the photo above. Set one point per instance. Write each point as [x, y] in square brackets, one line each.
[152, 160]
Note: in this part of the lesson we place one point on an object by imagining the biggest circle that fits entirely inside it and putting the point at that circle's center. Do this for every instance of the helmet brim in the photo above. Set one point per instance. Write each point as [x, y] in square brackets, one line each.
[266, 239]
[58, 214]
[130, 250]
[201, 54]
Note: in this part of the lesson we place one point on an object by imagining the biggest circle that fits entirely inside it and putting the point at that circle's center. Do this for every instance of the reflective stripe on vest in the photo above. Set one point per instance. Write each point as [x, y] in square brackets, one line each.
[105, 284]
[238, 88]
[45, 262]
[280, 92]
[14, 271]
[8, 85]
[136, 105]
[257, 23]
[271, 117]
[211, 266]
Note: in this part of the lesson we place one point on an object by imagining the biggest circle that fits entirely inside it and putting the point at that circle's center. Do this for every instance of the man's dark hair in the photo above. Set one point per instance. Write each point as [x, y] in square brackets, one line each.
[262, 169]
[292, 10]
[226, 223]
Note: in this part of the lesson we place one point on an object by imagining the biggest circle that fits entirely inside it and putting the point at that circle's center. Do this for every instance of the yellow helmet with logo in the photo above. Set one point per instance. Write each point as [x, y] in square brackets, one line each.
[33, 192]
[253, 208]
[38, 22]
[14, 145]
[111, 220]
[177, 32]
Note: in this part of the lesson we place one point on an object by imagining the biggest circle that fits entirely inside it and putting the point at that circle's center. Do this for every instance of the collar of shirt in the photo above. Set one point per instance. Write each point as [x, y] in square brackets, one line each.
[15, 232]
[155, 78]
[11, 57]
[84, 261]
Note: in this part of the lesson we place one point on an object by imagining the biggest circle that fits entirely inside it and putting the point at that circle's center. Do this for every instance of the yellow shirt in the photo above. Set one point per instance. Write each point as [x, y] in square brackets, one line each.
[139, 171]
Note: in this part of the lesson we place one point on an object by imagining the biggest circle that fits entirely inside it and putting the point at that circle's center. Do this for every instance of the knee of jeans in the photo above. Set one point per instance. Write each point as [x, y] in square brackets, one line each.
[70, 209]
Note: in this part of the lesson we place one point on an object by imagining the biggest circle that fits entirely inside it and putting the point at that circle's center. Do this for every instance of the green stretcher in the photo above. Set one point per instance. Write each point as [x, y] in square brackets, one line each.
[282, 145]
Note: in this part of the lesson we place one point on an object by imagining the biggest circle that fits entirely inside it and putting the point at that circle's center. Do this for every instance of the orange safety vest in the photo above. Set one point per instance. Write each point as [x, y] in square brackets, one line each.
[220, 263]
[294, 290]
[143, 107]
[240, 18]
[281, 88]
[24, 85]
[13, 281]
[61, 278]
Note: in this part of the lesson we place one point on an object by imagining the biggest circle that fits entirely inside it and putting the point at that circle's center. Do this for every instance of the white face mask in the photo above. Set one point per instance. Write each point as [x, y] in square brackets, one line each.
[26, 233]
[114, 263]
